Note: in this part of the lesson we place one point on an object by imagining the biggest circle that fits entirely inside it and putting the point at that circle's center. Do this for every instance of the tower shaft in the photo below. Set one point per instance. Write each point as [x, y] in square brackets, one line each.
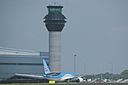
[55, 51]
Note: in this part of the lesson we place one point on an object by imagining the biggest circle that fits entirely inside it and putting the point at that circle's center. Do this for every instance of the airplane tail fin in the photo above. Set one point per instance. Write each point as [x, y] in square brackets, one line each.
[46, 68]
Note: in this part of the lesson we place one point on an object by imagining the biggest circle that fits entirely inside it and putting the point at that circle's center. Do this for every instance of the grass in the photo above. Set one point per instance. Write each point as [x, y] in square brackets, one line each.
[66, 84]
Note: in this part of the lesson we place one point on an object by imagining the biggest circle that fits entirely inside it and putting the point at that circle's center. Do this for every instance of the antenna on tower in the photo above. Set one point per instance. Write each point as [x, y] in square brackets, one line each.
[54, 4]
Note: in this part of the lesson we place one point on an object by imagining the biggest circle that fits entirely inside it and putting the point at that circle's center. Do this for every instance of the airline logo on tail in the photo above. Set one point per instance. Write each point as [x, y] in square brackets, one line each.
[46, 69]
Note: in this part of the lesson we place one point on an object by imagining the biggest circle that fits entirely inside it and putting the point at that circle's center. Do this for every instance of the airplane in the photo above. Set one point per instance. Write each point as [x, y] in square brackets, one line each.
[118, 81]
[124, 81]
[54, 76]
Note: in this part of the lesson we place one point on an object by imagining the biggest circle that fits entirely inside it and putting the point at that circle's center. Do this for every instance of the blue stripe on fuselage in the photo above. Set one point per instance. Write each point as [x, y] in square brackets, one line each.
[55, 75]
[58, 75]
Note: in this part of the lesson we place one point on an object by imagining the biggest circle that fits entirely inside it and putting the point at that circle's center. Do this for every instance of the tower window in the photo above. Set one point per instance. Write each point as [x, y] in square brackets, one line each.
[54, 9]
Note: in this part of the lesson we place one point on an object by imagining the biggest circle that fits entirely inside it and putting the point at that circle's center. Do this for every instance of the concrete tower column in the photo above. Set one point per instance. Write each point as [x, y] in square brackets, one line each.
[55, 51]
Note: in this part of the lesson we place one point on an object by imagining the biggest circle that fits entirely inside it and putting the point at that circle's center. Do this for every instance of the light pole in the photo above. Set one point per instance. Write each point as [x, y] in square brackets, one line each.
[84, 68]
[75, 62]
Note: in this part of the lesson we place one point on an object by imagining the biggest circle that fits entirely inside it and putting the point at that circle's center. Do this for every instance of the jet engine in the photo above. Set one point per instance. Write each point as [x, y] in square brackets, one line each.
[79, 80]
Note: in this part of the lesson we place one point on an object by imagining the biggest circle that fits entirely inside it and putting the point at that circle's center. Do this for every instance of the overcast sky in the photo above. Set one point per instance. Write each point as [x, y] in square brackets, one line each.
[96, 31]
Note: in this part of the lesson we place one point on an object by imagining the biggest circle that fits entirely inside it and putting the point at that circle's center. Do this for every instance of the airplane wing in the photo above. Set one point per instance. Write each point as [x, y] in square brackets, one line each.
[25, 78]
[30, 76]
[76, 79]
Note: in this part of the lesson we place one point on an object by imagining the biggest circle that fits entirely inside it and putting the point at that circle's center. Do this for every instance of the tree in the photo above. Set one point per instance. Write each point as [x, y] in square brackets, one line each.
[124, 74]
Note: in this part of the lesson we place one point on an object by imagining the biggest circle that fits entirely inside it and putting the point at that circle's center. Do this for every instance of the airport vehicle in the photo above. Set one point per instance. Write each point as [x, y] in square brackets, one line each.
[54, 76]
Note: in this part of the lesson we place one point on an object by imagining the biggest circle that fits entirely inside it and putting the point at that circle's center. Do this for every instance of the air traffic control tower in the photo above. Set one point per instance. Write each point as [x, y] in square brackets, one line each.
[54, 22]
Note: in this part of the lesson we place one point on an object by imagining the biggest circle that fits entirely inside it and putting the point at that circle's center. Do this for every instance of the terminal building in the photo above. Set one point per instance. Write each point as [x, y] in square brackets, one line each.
[14, 61]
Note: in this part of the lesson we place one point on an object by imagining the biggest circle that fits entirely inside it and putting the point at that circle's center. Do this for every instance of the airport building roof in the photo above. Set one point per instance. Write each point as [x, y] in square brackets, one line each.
[11, 51]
